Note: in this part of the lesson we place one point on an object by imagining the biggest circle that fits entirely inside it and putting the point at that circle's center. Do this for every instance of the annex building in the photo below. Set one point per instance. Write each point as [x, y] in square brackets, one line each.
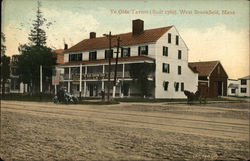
[85, 65]
[212, 78]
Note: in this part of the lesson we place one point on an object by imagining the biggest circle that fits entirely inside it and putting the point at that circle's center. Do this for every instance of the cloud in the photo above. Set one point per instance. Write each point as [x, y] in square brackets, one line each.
[71, 26]
[220, 43]
[15, 34]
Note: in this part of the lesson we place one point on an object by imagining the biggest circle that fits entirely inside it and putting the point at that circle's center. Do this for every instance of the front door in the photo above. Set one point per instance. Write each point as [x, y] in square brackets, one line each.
[91, 90]
[219, 86]
[125, 89]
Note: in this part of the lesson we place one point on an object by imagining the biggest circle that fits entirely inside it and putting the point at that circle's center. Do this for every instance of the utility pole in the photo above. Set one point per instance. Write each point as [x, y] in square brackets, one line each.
[41, 81]
[109, 36]
[116, 63]
[80, 85]
[41, 78]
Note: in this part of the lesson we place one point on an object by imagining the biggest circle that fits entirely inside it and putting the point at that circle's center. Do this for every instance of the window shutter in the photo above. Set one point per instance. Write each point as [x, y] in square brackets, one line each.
[105, 54]
[139, 51]
[128, 52]
[121, 52]
[163, 51]
[146, 50]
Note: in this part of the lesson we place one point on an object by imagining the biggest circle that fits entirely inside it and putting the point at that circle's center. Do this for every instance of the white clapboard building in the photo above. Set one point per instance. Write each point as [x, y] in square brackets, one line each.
[85, 65]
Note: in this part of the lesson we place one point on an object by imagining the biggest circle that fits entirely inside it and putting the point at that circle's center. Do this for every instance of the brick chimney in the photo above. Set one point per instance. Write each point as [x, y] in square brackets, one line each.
[92, 35]
[138, 27]
[65, 46]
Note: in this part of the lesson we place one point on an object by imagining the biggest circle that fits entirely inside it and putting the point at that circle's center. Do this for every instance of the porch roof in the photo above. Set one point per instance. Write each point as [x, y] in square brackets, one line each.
[104, 61]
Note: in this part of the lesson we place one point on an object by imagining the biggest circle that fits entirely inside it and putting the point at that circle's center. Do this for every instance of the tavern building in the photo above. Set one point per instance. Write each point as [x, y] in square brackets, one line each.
[85, 65]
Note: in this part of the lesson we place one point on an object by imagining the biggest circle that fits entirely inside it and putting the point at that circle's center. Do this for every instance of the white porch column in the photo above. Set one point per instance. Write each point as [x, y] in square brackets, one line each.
[121, 95]
[85, 83]
[68, 86]
[80, 90]
[103, 72]
[55, 90]
[69, 73]
[121, 84]
[69, 79]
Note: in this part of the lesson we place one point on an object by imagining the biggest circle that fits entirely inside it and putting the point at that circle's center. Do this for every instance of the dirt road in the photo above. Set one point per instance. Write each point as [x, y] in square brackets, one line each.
[128, 131]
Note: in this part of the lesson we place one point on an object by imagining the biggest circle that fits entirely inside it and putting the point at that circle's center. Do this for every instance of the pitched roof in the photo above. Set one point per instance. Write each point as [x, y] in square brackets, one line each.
[151, 35]
[246, 77]
[59, 54]
[101, 61]
[203, 68]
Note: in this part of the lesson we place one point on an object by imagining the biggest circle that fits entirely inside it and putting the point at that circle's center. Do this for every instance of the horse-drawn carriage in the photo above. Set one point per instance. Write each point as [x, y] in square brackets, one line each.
[191, 97]
[65, 97]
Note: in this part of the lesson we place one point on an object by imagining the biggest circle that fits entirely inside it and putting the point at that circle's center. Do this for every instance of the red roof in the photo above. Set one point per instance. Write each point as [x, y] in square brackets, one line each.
[203, 68]
[59, 54]
[147, 36]
[101, 61]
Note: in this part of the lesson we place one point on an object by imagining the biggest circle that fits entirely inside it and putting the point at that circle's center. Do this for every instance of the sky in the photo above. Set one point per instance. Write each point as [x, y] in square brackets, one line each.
[212, 30]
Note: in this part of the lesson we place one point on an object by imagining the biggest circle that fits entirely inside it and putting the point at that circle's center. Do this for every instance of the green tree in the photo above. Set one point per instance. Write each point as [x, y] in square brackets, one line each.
[140, 72]
[3, 47]
[34, 54]
[5, 64]
[37, 35]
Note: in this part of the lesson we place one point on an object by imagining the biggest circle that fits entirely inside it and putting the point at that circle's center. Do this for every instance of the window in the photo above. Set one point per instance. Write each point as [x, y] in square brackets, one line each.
[75, 57]
[107, 54]
[243, 82]
[169, 38]
[125, 52]
[92, 55]
[179, 54]
[142, 50]
[177, 40]
[179, 70]
[176, 86]
[243, 90]
[165, 85]
[165, 51]
[165, 68]
[182, 86]
[233, 90]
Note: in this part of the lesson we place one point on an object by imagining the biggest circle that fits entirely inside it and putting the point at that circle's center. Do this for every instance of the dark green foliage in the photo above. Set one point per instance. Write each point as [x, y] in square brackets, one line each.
[3, 47]
[35, 54]
[140, 72]
[5, 64]
[37, 35]
[29, 62]
[28, 97]
[5, 71]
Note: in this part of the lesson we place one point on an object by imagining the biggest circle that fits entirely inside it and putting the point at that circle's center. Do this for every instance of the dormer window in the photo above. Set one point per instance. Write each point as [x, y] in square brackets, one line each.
[142, 50]
[125, 52]
[108, 53]
[92, 55]
[75, 57]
